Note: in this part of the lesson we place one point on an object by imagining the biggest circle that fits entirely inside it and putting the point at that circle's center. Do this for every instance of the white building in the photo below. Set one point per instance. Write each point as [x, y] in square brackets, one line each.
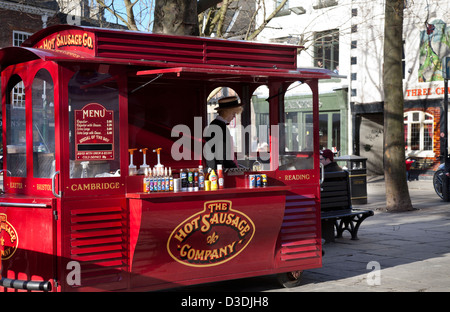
[350, 34]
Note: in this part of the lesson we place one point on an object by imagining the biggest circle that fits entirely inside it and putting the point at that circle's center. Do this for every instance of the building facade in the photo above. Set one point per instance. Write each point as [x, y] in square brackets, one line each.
[348, 36]
[19, 19]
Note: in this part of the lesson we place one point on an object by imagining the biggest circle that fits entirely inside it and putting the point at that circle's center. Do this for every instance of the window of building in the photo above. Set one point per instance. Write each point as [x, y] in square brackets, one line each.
[330, 131]
[18, 96]
[284, 10]
[19, 37]
[18, 92]
[285, 7]
[326, 49]
[418, 131]
[403, 59]
[320, 4]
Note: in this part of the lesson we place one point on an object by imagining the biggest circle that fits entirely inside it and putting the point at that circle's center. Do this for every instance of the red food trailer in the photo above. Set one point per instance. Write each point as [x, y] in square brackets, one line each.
[76, 101]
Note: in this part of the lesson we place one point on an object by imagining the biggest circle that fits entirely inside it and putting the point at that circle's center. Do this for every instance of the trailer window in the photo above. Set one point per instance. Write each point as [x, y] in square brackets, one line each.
[43, 125]
[93, 125]
[235, 126]
[260, 127]
[296, 130]
[16, 158]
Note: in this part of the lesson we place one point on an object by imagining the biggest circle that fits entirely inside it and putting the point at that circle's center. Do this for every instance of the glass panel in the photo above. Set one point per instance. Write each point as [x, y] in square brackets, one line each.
[43, 125]
[94, 125]
[234, 131]
[326, 49]
[15, 129]
[406, 136]
[260, 125]
[415, 137]
[428, 137]
[296, 130]
[336, 136]
[323, 131]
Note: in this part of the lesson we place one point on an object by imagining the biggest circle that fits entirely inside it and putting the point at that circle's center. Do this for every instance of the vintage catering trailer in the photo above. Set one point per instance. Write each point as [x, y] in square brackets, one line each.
[81, 106]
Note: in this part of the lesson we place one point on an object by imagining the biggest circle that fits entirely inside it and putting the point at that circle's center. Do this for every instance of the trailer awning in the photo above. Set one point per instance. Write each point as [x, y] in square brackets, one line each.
[221, 73]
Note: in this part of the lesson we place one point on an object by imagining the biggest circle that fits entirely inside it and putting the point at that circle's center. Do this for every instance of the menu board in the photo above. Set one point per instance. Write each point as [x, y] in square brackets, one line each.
[94, 133]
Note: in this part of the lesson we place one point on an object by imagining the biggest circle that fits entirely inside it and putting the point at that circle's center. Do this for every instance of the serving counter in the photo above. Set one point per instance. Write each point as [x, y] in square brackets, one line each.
[186, 236]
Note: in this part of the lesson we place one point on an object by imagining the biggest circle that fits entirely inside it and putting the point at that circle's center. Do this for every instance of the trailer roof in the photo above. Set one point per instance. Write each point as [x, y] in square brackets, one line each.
[163, 54]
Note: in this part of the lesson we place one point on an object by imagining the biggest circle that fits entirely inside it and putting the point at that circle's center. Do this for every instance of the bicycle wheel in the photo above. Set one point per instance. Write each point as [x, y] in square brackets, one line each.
[437, 182]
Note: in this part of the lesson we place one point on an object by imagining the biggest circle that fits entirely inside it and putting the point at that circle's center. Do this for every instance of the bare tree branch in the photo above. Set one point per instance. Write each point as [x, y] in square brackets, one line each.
[222, 12]
[266, 21]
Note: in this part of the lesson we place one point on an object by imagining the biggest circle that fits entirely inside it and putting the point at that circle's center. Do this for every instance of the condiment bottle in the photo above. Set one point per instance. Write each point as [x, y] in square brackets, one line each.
[166, 180]
[146, 180]
[155, 180]
[201, 178]
[220, 176]
[170, 180]
[190, 178]
[195, 179]
[183, 177]
[213, 179]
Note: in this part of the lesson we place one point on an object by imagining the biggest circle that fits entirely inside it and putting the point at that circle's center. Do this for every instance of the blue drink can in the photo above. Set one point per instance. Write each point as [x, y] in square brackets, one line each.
[258, 180]
[252, 181]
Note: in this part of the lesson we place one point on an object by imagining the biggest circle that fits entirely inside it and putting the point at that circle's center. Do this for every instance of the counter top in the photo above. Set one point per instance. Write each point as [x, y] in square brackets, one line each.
[225, 191]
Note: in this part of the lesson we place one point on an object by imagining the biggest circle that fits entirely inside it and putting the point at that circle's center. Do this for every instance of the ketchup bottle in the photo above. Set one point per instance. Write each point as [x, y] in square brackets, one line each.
[220, 176]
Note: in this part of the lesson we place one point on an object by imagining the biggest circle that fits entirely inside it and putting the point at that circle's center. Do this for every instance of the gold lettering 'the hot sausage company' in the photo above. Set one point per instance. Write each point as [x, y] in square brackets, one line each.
[212, 236]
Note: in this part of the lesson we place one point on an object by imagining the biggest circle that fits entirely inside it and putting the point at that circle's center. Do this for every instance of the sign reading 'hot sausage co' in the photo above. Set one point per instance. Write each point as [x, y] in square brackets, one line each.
[211, 237]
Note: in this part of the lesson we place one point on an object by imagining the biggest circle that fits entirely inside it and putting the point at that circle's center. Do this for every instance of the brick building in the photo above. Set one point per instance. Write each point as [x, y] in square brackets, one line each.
[19, 19]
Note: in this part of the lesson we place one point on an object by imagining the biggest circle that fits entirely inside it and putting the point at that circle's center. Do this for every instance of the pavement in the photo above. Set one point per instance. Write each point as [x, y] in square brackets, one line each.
[396, 252]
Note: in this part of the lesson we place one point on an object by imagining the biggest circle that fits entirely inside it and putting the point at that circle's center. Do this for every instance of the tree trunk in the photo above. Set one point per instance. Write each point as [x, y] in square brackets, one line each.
[176, 17]
[397, 193]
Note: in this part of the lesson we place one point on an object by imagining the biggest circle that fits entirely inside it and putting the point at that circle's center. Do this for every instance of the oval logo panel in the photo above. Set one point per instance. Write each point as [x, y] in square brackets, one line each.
[213, 236]
[8, 238]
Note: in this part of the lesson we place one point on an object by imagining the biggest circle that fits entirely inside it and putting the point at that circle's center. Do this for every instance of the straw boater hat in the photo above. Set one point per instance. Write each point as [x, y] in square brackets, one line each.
[228, 102]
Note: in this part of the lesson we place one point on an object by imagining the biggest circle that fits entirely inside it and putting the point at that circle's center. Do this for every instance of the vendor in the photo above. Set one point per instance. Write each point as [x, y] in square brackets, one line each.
[221, 149]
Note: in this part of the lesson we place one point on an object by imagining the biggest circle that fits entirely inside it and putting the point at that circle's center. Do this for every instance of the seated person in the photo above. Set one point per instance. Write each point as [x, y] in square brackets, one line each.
[327, 159]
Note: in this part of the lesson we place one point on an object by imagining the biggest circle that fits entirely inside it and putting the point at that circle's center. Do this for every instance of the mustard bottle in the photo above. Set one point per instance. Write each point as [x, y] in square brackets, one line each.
[213, 179]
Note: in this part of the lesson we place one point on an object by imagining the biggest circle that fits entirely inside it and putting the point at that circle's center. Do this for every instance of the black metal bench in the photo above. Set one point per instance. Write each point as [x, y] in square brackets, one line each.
[336, 207]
